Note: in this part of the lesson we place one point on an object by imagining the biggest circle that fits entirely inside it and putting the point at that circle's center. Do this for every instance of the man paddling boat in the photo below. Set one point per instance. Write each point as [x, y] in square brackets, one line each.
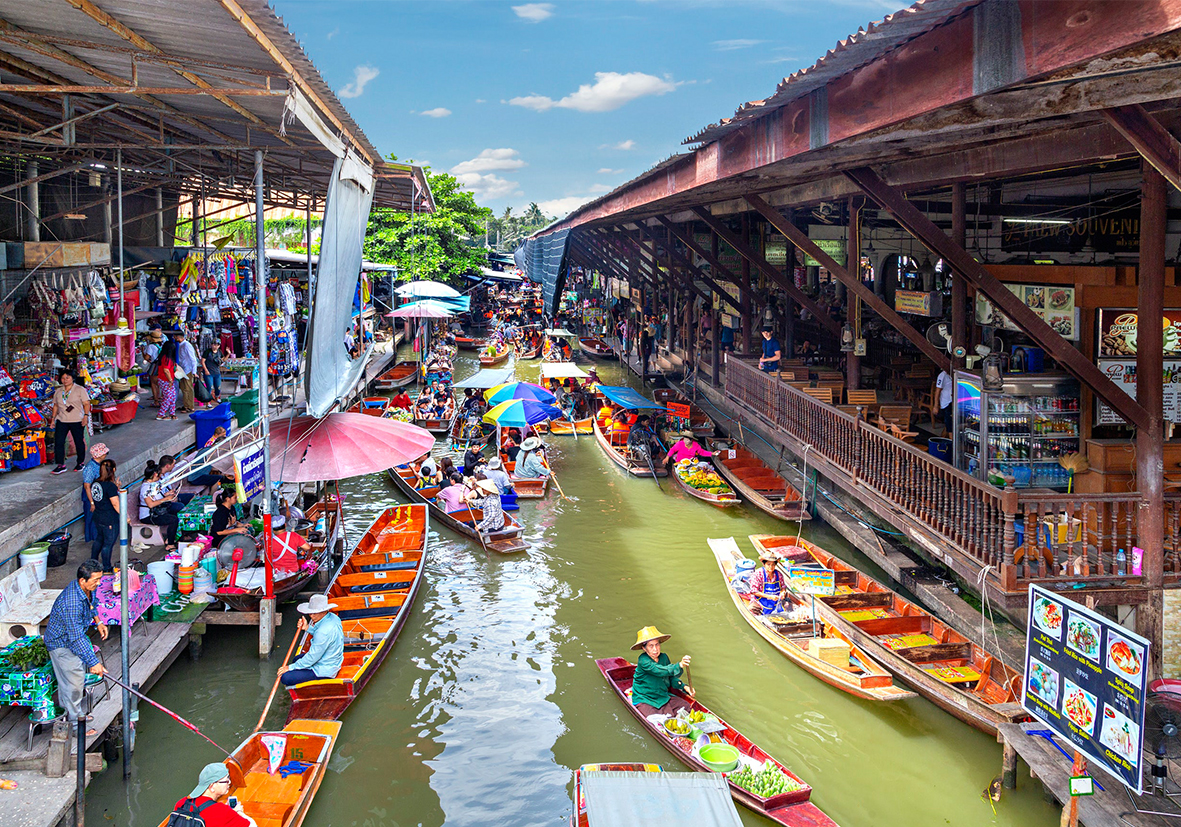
[656, 675]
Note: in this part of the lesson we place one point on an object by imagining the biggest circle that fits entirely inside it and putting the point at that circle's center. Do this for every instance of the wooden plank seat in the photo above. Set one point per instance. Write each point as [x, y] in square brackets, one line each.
[347, 581]
[819, 394]
[936, 652]
[388, 567]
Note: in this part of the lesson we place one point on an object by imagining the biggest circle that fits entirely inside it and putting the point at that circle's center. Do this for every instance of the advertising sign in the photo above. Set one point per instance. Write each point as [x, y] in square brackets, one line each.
[811, 581]
[835, 248]
[678, 409]
[1116, 357]
[1085, 678]
[249, 472]
[918, 303]
[1118, 328]
[1123, 373]
[728, 257]
[1054, 304]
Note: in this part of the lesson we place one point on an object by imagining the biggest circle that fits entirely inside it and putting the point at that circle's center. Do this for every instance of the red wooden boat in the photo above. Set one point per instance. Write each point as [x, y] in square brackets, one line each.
[371, 406]
[719, 499]
[374, 592]
[758, 484]
[596, 348]
[619, 454]
[530, 353]
[496, 358]
[399, 376]
[469, 343]
[790, 808]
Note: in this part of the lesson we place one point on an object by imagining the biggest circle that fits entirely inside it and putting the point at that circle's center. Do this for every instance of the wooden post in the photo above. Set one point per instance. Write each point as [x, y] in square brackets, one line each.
[1070, 811]
[853, 267]
[747, 311]
[266, 626]
[1150, 394]
[716, 357]
[959, 287]
[1009, 766]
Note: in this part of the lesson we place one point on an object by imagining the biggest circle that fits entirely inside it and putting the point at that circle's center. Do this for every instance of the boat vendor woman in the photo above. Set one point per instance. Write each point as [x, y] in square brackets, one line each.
[656, 675]
[488, 501]
[325, 653]
[766, 584]
[685, 448]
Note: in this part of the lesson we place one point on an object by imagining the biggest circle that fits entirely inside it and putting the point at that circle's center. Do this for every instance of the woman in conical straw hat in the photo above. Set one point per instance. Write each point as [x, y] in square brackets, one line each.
[656, 676]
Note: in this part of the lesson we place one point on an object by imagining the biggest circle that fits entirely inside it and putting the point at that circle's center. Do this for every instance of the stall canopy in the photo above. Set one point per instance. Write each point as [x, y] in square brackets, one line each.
[543, 260]
[487, 378]
[658, 799]
[628, 398]
[561, 331]
[562, 370]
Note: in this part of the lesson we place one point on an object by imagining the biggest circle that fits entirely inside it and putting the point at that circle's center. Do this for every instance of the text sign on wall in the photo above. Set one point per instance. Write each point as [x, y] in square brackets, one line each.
[1085, 678]
[918, 303]
[820, 582]
[835, 248]
[248, 467]
[678, 409]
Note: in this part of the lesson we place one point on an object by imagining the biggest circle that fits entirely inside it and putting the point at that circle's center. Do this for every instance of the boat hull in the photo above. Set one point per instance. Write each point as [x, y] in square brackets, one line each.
[707, 497]
[617, 456]
[510, 543]
[496, 358]
[762, 489]
[399, 376]
[562, 427]
[596, 348]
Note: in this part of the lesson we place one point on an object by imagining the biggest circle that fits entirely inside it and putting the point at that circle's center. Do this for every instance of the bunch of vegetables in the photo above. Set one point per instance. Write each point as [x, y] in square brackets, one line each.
[30, 656]
[767, 782]
[400, 414]
[699, 477]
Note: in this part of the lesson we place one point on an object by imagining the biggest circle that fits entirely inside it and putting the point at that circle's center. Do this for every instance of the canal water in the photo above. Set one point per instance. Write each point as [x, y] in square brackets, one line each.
[491, 697]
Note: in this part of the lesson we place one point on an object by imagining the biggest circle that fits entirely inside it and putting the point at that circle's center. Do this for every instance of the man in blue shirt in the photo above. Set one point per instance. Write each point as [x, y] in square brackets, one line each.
[769, 361]
[70, 649]
[325, 653]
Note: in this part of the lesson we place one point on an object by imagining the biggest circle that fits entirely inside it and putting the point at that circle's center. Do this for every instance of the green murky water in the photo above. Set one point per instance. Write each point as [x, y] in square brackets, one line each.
[491, 696]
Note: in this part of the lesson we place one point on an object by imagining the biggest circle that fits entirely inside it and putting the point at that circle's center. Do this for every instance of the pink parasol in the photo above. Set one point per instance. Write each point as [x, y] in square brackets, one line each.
[421, 310]
[343, 445]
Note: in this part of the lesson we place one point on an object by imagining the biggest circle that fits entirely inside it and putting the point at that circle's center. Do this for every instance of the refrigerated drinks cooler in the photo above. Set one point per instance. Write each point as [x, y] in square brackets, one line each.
[1022, 429]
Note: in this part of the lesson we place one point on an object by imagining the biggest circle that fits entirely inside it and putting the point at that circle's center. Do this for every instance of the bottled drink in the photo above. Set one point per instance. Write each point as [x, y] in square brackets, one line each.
[1121, 563]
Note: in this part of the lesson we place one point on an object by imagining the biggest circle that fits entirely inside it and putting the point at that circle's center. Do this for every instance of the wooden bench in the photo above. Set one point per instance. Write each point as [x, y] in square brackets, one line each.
[24, 605]
[141, 532]
[820, 394]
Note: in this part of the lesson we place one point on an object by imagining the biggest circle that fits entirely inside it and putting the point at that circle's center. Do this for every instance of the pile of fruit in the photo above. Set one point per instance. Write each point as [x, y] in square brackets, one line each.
[676, 726]
[767, 782]
[700, 477]
[400, 414]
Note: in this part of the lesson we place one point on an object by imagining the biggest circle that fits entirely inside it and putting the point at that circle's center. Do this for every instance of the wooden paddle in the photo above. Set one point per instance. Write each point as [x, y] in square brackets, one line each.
[688, 678]
[561, 493]
[275, 688]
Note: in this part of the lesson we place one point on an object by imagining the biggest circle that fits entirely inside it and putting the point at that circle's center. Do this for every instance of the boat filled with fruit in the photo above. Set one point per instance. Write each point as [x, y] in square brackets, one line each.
[701, 481]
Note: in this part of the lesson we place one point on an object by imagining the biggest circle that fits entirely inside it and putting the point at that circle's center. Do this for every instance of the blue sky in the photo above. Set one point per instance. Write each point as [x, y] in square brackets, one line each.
[557, 102]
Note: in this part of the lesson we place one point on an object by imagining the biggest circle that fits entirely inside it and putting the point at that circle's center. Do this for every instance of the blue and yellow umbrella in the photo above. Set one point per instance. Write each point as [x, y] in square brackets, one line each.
[518, 390]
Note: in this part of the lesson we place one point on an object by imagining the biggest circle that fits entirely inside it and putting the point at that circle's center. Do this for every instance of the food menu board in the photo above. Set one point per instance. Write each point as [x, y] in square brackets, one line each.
[1085, 678]
[1054, 304]
[1116, 357]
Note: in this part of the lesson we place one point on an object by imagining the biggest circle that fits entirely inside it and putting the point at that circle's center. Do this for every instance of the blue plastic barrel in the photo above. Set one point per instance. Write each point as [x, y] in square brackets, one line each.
[210, 420]
[940, 448]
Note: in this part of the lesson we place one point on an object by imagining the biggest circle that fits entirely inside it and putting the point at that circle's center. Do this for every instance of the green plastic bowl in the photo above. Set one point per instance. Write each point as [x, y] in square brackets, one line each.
[719, 757]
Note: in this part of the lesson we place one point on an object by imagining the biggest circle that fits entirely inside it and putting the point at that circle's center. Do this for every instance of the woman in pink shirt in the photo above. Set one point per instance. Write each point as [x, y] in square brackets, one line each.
[686, 448]
[451, 497]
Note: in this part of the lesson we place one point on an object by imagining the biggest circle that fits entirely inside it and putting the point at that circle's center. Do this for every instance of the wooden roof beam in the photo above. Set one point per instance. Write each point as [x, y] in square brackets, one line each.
[745, 250]
[108, 22]
[939, 243]
[690, 267]
[648, 246]
[685, 239]
[1154, 143]
[851, 282]
[603, 262]
[610, 239]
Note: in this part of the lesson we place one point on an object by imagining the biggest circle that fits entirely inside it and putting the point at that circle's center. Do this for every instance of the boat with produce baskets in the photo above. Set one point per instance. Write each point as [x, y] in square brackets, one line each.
[814, 646]
[938, 662]
[787, 799]
[698, 480]
[374, 591]
[501, 353]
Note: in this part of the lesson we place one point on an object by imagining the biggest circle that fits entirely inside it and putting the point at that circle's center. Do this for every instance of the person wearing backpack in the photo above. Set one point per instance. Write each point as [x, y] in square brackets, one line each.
[203, 809]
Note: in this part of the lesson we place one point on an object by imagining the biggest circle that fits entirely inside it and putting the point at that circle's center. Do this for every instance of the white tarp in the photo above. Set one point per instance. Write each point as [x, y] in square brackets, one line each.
[331, 372]
[658, 799]
[562, 370]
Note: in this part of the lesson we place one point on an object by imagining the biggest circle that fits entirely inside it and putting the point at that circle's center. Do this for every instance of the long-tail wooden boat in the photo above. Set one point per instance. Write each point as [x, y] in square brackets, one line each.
[281, 800]
[371, 405]
[791, 808]
[322, 540]
[718, 498]
[437, 426]
[938, 662]
[506, 541]
[563, 427]
[579, 817]
[502, 353]
[530, 353]
[758, 484]
[469, 342]
[374, 592]
[800, 640]
[596, 348]
[527, 488]
[698, 420]
[461, 437]
[653, 796]
[399, 376]
[620, 456]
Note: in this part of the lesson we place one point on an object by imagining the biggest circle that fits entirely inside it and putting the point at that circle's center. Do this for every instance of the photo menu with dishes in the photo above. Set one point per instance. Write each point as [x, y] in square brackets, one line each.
[1085, 678]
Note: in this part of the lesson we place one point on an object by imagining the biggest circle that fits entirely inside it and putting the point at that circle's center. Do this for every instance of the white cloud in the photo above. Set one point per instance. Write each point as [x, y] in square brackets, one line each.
[480, 100]
[490, 160]
[622, 145]
[535, 12]
[562, 206]
[731, 45]
[487, 186]
[608, 171]
[361, 77]
[437, 112]
[334, 33]
[610, 90]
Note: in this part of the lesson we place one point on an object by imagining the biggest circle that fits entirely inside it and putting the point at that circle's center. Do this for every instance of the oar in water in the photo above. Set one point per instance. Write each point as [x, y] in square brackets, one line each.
[275, 688]
[652, 468]
[561, 493]
[171, 714]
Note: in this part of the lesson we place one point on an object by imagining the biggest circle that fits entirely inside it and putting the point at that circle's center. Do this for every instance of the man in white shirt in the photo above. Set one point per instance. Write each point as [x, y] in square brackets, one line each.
[944, 384]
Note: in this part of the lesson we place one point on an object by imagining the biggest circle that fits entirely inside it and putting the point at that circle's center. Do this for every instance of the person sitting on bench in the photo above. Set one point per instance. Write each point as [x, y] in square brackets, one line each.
[325, 653]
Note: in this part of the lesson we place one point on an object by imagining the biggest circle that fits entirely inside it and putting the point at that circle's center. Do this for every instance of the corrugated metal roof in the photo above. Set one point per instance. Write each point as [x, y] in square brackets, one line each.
[866, 45]
[94, 44]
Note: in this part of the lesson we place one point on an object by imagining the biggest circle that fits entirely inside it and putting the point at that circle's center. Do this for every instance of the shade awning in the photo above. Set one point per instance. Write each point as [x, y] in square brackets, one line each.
[485, 379]
[628, 398]
[561, 332]
[658, 799]
[562, 370]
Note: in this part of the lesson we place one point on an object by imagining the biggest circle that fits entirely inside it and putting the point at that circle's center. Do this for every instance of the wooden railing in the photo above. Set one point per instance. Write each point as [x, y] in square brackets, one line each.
[1067, 537]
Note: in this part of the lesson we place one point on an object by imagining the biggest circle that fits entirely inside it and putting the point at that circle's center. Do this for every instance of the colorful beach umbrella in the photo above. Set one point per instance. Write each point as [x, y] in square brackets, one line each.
[517, 413]
[426, 290]
[518, 390]
[343, 445]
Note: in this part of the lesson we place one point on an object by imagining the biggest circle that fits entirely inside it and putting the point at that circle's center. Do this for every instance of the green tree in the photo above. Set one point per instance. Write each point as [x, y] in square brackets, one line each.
[442, 245]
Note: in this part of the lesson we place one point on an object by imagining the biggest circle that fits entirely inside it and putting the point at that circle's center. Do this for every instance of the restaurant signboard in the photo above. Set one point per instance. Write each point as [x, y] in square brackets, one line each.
[918, 303]
[1052, 303]
[1116, 357]
[1085, 678]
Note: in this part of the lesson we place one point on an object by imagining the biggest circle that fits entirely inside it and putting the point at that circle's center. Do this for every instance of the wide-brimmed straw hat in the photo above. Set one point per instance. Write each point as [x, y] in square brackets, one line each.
[531, 444]
[488, 485]
[686, 434]
[647, 634]
[155, 336]
[316, 603]
[768, 554]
